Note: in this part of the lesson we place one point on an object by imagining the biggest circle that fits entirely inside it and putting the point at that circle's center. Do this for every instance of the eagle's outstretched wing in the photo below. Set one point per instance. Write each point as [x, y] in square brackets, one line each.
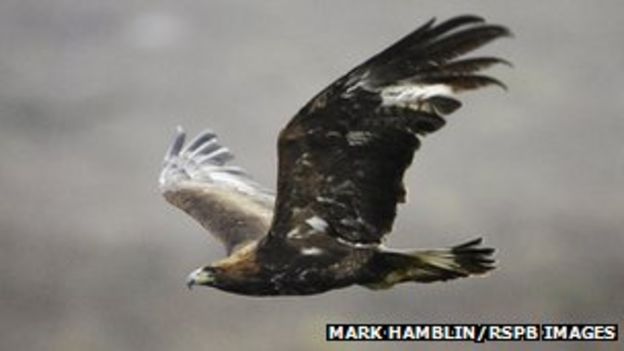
[342, 157]
[222, 198]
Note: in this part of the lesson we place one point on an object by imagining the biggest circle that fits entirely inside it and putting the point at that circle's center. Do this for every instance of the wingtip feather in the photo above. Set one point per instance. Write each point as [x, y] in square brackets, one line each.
[199, 140]
[176, 145]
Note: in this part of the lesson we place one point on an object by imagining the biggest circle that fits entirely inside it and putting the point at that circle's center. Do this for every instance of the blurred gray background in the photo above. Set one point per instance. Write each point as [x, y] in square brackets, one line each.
[92, 258]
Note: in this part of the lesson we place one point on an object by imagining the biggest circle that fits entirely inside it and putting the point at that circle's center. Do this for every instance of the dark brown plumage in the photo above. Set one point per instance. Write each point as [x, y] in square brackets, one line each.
[341, 164]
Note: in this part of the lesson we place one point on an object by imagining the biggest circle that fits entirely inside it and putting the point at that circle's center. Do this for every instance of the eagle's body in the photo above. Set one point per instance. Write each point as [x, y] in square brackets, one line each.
[341, 164]
[266, 269]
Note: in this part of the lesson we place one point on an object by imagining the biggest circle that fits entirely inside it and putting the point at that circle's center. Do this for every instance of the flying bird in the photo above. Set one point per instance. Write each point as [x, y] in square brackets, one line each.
[342, 158]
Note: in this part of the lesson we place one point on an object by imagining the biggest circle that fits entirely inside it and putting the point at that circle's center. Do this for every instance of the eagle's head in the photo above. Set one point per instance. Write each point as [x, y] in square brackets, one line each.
[233, 280]
[207, 276]
[237, 273]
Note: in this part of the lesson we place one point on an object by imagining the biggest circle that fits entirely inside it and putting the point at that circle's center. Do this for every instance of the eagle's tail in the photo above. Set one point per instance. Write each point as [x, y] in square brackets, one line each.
[425, 266]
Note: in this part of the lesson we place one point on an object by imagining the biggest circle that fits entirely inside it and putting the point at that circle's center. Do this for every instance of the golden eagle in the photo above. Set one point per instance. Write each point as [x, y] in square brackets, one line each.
[341, 165]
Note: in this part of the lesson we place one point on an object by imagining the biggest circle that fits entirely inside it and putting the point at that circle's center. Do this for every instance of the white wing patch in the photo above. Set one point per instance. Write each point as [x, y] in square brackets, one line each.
[317, 223]
[294, 233]
[358, 137]
[356, 244]
[413, 95]
[311, 251]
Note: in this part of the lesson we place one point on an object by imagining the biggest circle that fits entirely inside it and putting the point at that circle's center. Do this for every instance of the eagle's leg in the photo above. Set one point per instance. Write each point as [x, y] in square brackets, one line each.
[388, 268]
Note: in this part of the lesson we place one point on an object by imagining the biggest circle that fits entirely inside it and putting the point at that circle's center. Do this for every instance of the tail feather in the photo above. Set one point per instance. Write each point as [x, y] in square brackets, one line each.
[457, 262]
[428, 266]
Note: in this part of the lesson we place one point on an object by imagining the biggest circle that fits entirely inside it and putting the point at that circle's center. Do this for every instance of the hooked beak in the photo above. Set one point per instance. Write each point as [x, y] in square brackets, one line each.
[199, 277]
